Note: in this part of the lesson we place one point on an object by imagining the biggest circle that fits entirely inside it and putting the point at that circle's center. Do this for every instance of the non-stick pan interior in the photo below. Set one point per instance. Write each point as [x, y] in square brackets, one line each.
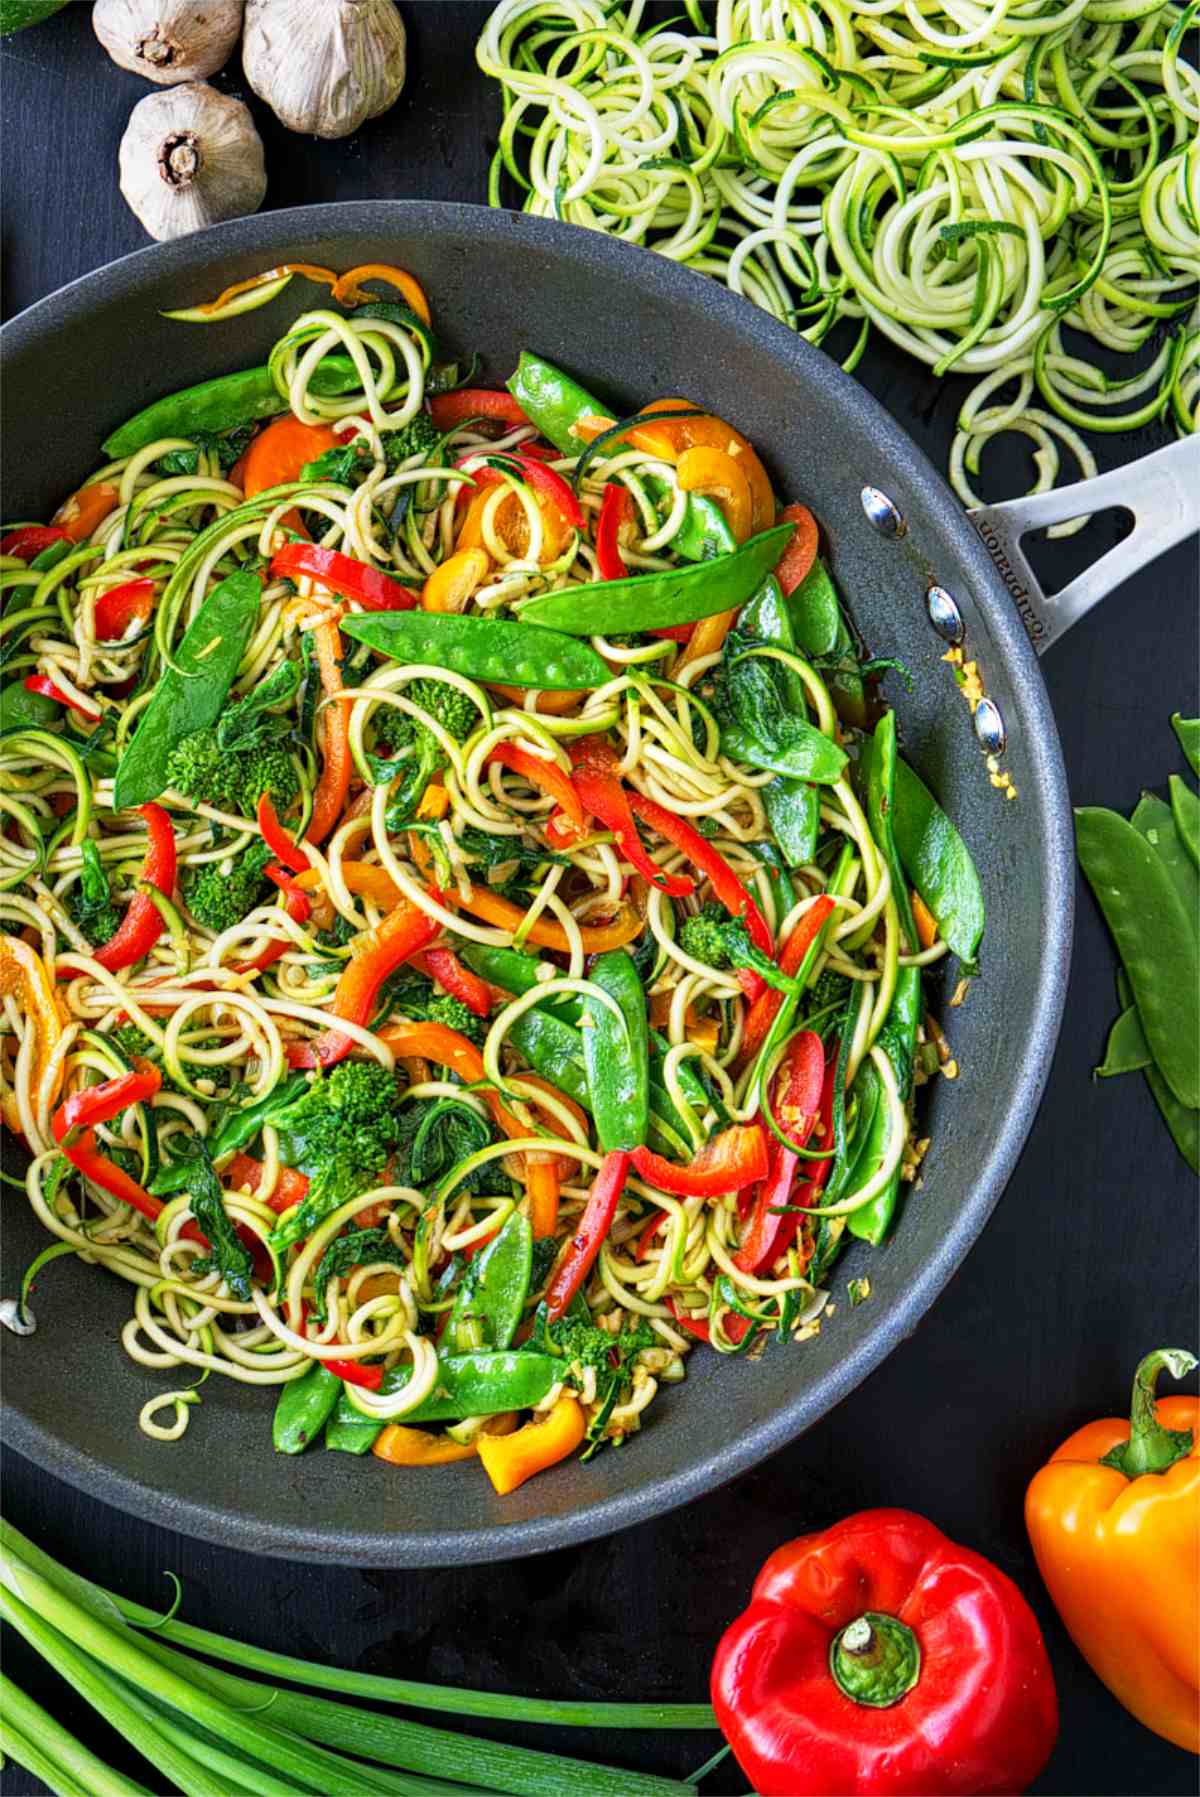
[633, 328]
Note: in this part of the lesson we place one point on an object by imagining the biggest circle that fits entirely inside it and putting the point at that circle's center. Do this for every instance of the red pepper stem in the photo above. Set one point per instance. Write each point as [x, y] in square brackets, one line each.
[1152, 1447]
[875, 1660]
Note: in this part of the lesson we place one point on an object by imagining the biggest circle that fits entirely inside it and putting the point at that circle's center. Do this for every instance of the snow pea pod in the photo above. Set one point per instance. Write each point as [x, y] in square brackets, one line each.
[1155, 938]
[489, 1303]
[303, 1408]
[482, 1384]
[518, 973]
[938, 862]
[821, 630]
[20, 709]
[1185, 809]
[878, 765]
[1188, 732]
[555, 403]
[513, 654]
[238, 1129]
[661, 601]
[1183, 1125]
[617, 1054]
[190, 694]
[1127, 1050]
[223, 404]
[1153, 819]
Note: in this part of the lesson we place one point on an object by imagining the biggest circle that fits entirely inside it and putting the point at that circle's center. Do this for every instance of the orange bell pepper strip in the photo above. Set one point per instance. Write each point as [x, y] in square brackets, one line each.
[402, 933]
[925, 921]
[711, 432]
[702, 469]
[451, 585]
[761, 1014]
[419, 1447]
[800, 554]
[708, 638]
[347, 289]
[547, 776]
[511, 524]
[24, 975]
[279, 452]
[542, 1184]
[83, 511]
[1114, 1519]
[324, 276]
[509, 1460]
[329, 799]
[502, 914]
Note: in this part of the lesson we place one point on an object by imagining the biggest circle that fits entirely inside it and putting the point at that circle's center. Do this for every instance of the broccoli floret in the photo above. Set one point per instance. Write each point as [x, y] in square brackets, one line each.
[341, 1133]
[89, 901]
[232, 779]
[584, 1345]
[134, 1042]
[830, 989]
[703, 936]
[420, 436]
[456, 1016]
[413, 996]
[403, 743]
[220, 893]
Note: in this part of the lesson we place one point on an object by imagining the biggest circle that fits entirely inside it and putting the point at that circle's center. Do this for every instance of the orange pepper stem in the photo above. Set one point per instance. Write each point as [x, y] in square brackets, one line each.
[1151, 1447]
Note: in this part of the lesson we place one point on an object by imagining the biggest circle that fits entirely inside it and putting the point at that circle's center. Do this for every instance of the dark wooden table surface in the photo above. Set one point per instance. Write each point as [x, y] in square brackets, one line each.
[1089, 1260]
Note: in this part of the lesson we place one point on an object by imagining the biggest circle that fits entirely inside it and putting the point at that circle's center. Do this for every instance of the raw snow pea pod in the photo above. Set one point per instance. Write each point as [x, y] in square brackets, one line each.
[1154, 820]
[303, 1408]
[938, 862]
[482, 649]
[1188, 732]
[616, 1054]
[660, 601]
[1127, 1050]
[1155, 938]
[1185, 809]
[491, 1298]
[222, 405]
[1184, 1125]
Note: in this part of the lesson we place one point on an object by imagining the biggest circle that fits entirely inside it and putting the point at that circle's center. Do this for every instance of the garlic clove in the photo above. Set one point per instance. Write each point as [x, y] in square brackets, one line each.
[324, 66]
[168, 40]
[189, 158]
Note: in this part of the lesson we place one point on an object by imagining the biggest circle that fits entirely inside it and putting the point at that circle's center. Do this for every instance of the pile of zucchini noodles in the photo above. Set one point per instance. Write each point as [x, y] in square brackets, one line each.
[218, 1032]
[1003, 190]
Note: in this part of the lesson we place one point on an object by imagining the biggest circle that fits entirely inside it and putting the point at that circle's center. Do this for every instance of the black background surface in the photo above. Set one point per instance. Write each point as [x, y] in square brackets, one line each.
[1088, 1262]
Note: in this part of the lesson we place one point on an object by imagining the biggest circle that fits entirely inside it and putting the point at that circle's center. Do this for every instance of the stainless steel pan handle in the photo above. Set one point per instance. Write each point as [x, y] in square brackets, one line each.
[1162, 491]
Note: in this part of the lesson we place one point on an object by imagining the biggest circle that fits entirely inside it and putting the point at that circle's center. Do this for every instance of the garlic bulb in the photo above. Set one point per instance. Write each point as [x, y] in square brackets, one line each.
[190, 157]
[324, 65]
[168, 40]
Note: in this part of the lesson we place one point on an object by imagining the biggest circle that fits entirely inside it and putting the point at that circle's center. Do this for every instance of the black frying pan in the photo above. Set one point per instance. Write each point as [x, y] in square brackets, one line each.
[631, 326]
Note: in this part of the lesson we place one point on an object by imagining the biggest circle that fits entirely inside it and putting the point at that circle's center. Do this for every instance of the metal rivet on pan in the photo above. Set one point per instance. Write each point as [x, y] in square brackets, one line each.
[989, 727]
[882, 513]
[944, 614]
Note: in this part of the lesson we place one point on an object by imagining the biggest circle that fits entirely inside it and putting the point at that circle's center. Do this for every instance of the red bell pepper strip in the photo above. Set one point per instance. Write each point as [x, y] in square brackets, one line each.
[402, 934]
[71, 1128]
[42, 683]
[675, 633]
[355, 1373]
[281, 845]
[28, 540]
[720, 876]
[735, 1158]
[444, 966]
[616, 510]
[116, 609]
[594, 1226]
[800, 554]
[290, 1186]
[450, 409]
[799, 1089]
[763, 1011]
[298, 906]
[878, 1656]
[343, 575]
[736, 1326]
[142, 924]
[602, 794]
[542, 479]
[547, 776]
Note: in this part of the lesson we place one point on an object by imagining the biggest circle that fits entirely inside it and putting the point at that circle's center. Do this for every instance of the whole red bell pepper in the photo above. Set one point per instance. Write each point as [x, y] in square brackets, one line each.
[878, 1656]
[142, 924]
[594, 1225]
[343, 575]
[735, 1158]
[594, 761]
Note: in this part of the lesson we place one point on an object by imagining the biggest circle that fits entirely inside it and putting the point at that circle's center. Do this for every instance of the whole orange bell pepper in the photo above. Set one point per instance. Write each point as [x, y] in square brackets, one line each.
[1114, 1519]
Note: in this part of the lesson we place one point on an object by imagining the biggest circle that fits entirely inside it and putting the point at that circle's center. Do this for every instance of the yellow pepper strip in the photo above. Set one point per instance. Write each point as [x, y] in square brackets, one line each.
[926, 922]
[541, 1182]
[711, 471]
[23, 975]
[511, 1459]
[450, 586]
[512, 526]
[553, 704]
[347, 289]
[707, 639]
[435, 801]
[418, 1447]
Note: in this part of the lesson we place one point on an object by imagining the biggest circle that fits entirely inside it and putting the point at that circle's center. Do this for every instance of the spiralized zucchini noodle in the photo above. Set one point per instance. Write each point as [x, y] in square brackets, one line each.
[1010, 191]
[304, 1029]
